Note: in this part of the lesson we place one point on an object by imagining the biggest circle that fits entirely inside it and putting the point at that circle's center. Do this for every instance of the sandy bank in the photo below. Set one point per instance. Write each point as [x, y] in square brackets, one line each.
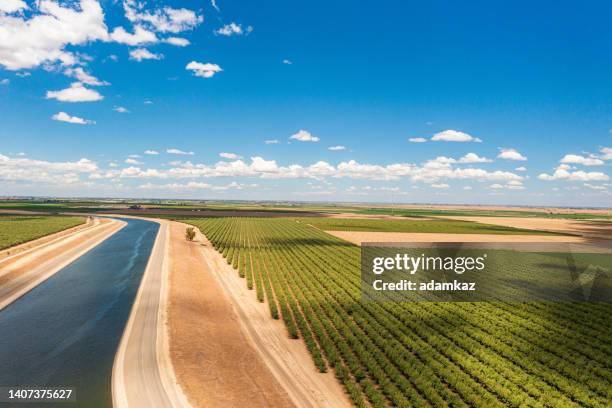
[21, 272]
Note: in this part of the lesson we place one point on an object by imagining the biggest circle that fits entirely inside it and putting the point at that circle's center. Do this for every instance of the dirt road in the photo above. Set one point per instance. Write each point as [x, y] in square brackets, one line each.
[142, 373]
[33, 264]
[288, 360]
[213, 359]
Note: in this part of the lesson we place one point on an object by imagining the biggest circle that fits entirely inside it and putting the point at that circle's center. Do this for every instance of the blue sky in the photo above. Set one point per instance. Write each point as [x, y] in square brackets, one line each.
[530, 82]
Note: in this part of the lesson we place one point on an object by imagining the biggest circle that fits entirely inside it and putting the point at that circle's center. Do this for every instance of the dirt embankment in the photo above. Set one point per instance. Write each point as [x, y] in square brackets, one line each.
[40, 259]
[214, 362]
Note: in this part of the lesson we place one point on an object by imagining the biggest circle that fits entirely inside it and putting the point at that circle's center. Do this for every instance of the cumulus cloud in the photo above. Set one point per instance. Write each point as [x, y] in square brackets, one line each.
[166, 19]
[202, 70]
[179, 152]
[336, 148]
[440, 185]
[194, 185]
[474, 158]
[75, 93]
[177, 41]
[578, 159]
[28, 41]
[304, 136]
[606, 153]
[454, 136]
[41, 171]
[511, 154]
[121, 109]
[132, 161]
[565, 172]
[231, 156]
[417, 140]
[12, 6]
[521, 168]
[64, 117]
[151, 152]
[139, 37]
[82, 76]
[287, 62]
[140, 54]
[233, 29]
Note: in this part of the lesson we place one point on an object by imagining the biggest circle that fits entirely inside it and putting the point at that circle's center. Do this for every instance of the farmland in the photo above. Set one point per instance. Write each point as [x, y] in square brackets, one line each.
[420, 226]
[15, 230]
[416, 354]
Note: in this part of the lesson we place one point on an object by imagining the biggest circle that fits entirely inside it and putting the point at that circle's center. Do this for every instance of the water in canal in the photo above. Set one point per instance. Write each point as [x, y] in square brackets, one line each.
[65, 332]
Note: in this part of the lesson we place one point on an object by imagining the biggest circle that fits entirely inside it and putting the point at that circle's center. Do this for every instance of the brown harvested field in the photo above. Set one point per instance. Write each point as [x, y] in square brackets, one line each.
[548, 210]
[357, 237]
[213, 360]
[601, 229]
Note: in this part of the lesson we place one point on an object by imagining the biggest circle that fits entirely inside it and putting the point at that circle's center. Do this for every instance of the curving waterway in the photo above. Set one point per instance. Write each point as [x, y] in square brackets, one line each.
[65, 332]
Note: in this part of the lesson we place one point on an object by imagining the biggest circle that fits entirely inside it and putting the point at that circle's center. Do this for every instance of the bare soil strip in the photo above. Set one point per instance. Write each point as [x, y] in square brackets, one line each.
[586, 228]
[225, 299]
[213, 360]
[22, 272]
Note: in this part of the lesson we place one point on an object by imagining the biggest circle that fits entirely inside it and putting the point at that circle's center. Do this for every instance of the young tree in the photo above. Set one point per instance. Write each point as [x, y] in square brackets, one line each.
[190, 233]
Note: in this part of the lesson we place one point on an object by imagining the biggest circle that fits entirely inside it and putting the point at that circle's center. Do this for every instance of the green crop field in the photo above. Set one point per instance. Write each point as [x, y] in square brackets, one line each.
[422, 353]
[15, 230]
[424, 225]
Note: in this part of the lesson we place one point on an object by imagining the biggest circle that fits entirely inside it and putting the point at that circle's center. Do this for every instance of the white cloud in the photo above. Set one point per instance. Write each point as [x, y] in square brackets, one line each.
[64, 117]
[474, 158]
[496, 186]
[76, 93]
[139, 37]
[336, 148]
[271, 141]
[135, 156]
[213, 3]
[132, 161]
[166, 19]
[521, 168]
[179, 152]
[140, 54]
[82, 76]
[467, 187]
[12, 6]
[454, 136]
[564, 172]
[206, 70]
[287, 62]
[304, 136]
[577, 159]
[232, 156]
[595, 187]
[233, 29]
[606, 153]
[177, 41]
[40, 171]
[121, 109]
[41, 37]
[511, 154]
[417, 140]
[440, 185]
[151, 152]
[5, 81]
[148, 102]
